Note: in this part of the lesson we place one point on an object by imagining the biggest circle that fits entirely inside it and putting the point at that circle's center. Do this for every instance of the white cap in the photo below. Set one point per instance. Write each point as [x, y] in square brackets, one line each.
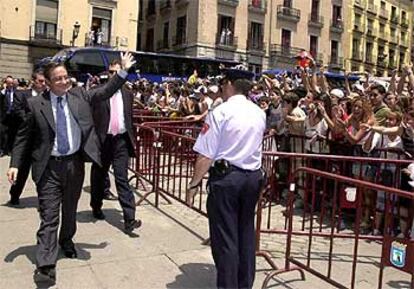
[201, 89]
[336, 92]
[213, 88]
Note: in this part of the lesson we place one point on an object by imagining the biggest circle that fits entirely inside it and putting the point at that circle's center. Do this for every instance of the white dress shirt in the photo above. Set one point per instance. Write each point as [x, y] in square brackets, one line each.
[234, 132]
[73, 129]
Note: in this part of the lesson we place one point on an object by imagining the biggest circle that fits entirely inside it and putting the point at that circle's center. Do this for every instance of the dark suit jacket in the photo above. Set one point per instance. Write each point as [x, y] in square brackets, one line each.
[102, 114]
[39, 126]
[20, 103]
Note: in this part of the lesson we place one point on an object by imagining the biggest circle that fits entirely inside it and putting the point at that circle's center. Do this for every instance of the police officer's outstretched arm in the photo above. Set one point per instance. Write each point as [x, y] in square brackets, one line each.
[202, 165]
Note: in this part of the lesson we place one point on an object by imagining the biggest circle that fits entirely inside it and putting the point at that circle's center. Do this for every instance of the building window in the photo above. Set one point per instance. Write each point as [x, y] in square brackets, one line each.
[336, 14]
[334, 51]
[286, 40]
[355, 48]
[225, 33]
[149, 43]
[181, 30]
[313, 46]
[287, 3]
[139, 42]
[101, 26]
[315, 10]
[151, 7]
[402, 58]
[393, 12]
[368, 52]
[165, 35]
[256, 36]
[46, 19]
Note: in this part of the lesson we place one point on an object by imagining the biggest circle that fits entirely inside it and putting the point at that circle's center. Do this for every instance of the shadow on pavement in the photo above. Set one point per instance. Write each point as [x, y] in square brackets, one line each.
[30, 252]
[113, 217]
[195, 275]
[399, 284]
[25, 203]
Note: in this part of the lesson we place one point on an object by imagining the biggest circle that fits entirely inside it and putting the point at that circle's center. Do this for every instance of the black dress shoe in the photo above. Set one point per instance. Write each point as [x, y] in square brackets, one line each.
[110, 196]
[13, 203]
[98, 214]
[132, 225]
[70, 252]
[45, 275]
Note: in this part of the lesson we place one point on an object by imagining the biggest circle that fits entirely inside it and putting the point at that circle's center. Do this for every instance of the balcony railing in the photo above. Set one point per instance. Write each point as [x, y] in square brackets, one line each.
[394, 38]
[404, 41]
[285, 50]
[336, 62]
[226, 41]
[405, 22]
[318, 57]
[179, 41]
[181, 3]
[369, 58]
[337, 26]
[162, 44]
[357, 55]
[384, 13]
[395, 19]
[392, 63]
[112, 42]
[255, 45]
[54, 37]
[165, 6]
[258, 5]
[372, 8]
[360, 3]
[233, 3]
[383, 35]
[358, 27]
[371, 31]
[288, 13]
[315, 20]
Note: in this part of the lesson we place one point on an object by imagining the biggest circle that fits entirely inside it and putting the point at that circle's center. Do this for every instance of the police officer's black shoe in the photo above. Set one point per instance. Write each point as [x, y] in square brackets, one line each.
[132, 225]
[98, 214]
[70, 253]
[13, 202]
[45, 274]
[110, 196]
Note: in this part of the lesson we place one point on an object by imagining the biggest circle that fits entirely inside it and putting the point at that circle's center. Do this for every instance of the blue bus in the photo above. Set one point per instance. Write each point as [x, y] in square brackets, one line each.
[156, 67]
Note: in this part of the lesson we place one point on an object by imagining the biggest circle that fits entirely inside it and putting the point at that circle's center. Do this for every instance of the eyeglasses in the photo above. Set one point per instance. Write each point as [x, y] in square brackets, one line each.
[112, 72]
[60, 79]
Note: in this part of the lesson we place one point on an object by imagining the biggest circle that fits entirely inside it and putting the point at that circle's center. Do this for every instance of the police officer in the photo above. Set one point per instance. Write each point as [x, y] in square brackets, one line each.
[230, 148]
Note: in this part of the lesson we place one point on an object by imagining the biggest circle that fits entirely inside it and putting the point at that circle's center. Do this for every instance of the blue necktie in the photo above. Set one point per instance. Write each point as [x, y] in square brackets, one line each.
[62, 128]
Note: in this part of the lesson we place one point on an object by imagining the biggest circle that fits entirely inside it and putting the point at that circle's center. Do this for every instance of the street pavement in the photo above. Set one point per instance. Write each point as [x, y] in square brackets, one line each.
[167, 251]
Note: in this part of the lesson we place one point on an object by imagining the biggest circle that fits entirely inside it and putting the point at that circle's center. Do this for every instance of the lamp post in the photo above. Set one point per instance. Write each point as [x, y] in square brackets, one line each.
[75, 32]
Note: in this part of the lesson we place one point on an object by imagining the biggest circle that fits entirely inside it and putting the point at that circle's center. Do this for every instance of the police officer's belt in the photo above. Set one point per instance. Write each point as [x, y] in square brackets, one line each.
[223, 168]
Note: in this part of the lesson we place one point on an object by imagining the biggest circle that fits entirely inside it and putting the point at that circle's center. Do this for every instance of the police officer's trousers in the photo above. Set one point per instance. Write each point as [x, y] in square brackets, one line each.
[231, 209]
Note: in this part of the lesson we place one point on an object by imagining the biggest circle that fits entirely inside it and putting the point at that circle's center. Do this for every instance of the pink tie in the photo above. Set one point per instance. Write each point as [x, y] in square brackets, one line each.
[114, 121]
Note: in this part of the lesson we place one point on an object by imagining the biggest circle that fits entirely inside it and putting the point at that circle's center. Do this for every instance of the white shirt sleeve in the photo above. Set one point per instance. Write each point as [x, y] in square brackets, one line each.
[208, 140]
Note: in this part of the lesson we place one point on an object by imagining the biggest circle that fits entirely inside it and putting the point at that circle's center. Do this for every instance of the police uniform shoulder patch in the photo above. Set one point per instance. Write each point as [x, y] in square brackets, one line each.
[205, 128]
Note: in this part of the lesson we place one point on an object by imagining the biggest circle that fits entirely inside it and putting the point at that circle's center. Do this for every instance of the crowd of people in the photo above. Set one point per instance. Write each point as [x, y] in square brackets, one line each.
[369, 115]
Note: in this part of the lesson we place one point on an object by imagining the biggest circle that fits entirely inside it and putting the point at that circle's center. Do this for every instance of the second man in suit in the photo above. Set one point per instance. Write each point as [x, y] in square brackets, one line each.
[113, 121]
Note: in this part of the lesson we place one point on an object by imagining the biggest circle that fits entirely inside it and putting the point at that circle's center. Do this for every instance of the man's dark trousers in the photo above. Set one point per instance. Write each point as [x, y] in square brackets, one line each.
[115, 152]
[61, 183]
[231, 209]
[17, 189]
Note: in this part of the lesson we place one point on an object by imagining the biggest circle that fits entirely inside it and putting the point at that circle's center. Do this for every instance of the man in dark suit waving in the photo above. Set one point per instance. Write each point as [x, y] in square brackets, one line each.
[60, 134]
[20, 109]
[113, 120]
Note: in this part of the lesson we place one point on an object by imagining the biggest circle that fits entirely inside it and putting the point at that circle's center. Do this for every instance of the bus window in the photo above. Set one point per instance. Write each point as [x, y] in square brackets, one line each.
[112, 55]
[83, 62]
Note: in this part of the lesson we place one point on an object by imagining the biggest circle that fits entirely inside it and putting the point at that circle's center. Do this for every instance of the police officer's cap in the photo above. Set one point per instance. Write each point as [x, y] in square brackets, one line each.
[234, 74]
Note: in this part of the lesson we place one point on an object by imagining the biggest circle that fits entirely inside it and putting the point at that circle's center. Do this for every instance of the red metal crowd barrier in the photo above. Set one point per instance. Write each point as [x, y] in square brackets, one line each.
[165, 163]
[395, 251]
